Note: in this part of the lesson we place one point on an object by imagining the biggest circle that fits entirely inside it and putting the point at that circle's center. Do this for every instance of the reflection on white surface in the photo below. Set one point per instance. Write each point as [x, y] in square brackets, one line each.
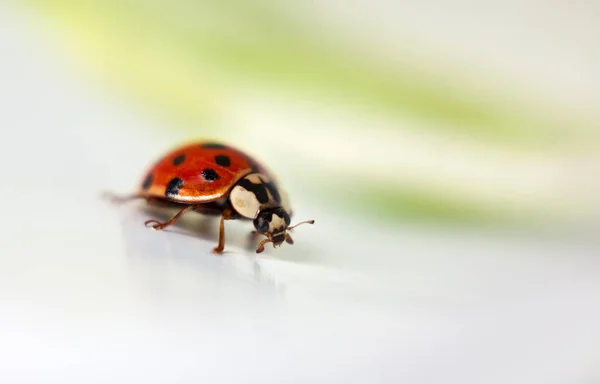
[89, 295]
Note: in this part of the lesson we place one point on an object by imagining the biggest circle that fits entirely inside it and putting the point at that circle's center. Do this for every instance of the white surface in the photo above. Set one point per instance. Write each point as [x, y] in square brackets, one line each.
[88, 295]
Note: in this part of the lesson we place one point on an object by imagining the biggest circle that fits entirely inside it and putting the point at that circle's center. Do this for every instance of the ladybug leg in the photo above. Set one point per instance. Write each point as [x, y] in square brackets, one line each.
[261, 246]
[158, 225]
[252, 236]
[226, 215]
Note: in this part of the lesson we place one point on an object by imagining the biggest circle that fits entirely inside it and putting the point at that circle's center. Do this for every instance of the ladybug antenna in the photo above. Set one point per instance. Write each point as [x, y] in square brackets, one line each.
[300, 223]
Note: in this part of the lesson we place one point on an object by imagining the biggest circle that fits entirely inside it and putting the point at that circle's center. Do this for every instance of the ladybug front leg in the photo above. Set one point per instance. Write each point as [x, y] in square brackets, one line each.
[226, 215]
[252, 236]
[158, 225]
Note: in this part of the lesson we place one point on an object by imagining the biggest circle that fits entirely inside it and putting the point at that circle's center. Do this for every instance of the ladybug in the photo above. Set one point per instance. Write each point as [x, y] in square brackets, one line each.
[213, 178]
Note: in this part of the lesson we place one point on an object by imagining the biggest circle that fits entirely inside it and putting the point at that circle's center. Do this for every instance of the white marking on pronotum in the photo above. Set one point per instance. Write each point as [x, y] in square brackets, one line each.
[257, 178]
[244, 202]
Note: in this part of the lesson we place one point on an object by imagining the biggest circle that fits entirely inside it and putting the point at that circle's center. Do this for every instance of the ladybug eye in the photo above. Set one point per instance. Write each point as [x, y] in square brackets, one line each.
[261, 224]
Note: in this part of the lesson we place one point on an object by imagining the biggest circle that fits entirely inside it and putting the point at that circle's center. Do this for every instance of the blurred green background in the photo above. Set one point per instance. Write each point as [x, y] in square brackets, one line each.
[420, 112]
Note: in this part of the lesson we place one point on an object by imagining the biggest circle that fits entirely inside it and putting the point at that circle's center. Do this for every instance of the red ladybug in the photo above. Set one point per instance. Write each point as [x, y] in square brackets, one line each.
[209, 178]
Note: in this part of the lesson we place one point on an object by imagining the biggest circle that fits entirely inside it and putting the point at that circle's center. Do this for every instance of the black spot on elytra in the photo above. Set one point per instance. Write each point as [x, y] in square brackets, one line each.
[148, 181]
[210, 174]
[214, 146]
[223, 160]
[260, 190]
[173, 187]
[178, 160]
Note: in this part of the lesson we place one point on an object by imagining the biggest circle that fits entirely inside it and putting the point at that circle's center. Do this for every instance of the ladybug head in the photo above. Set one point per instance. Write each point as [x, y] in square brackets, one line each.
[274, 224]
